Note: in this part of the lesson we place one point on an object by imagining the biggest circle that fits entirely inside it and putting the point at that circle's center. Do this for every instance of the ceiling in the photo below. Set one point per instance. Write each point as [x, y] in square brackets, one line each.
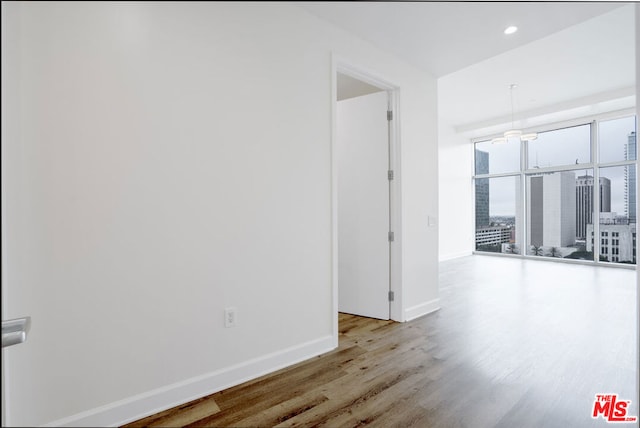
[443, 37]
[584, 70]
[569, 59]
[350, 87]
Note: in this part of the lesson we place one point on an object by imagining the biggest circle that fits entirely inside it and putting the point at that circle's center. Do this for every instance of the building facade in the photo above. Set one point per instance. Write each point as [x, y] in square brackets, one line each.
[552, 210]
[482, 190]
[494, 235]
[617, 242]
[584, 202]
[630, 179]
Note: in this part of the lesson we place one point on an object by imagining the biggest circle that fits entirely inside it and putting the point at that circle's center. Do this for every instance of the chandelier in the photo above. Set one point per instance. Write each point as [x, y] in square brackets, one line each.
[514, 133]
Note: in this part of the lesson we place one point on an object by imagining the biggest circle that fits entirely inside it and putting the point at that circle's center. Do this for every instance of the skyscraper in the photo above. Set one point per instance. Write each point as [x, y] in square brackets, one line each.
[482, 189]
[630, 179]
[552, 213]
[584, 202]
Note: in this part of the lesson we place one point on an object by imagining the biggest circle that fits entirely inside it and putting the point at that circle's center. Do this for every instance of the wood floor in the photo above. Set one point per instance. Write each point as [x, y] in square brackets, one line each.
[517, 343]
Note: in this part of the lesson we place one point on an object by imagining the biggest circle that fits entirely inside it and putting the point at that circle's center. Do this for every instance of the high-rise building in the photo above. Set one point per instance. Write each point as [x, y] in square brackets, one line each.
[584, 202]
[482, 190]
[552, 210]
[630, 179]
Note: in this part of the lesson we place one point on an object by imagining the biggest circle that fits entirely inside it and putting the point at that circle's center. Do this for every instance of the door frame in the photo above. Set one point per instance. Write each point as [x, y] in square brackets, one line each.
[343, 66]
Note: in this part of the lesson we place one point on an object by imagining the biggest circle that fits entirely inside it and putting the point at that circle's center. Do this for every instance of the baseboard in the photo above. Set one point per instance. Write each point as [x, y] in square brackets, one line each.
[421, 309]
[446, 257]
[152, 402]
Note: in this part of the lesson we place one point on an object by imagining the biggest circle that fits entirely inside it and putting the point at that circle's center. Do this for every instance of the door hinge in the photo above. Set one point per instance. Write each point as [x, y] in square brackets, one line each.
[392, 237]
[390, 174]
[389, 115]
[392, 296]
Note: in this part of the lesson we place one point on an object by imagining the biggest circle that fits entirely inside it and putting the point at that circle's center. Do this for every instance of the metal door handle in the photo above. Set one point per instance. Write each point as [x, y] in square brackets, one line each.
[15, 331]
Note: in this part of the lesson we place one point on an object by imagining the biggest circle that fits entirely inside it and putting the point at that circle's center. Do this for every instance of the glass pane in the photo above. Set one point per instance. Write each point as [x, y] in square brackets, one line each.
[617, 216]
[497, 158]
[617, 139]
[496, 219]
[567, 146]
[559, 211]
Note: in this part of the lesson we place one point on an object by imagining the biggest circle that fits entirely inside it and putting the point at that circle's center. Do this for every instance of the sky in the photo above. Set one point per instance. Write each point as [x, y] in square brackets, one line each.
[556, 148]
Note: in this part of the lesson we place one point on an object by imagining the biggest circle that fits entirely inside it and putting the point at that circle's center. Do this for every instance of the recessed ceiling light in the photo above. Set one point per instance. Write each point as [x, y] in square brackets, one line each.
[511, 29]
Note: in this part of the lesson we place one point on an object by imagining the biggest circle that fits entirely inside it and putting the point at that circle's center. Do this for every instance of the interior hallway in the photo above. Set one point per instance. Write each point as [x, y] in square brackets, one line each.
[517, 343]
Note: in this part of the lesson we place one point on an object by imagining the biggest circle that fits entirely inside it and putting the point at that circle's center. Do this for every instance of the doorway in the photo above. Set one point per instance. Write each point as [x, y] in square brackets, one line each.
[365, 174]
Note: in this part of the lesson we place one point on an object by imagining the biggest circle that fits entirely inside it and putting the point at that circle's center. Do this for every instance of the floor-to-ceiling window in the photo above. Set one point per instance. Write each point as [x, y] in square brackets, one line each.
[496, 197]
[540, 197]
[557, 162]
[617, 172]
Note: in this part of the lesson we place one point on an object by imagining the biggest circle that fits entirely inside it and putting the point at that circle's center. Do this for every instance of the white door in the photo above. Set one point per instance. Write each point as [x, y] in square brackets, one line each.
[363, 206]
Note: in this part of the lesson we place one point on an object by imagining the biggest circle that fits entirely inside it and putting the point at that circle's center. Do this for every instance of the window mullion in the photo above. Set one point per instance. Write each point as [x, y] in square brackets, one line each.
[521, 207]
[595, 158]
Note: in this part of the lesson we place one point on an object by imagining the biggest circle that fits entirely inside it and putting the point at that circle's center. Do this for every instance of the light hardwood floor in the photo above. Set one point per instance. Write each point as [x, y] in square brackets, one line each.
[517, 343]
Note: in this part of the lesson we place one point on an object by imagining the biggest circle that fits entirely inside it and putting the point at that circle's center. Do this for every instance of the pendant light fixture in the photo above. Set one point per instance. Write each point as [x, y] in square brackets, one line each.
[514, 133]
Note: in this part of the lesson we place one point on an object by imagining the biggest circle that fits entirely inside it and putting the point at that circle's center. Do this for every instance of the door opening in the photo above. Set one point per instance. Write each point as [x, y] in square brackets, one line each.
[364, 196]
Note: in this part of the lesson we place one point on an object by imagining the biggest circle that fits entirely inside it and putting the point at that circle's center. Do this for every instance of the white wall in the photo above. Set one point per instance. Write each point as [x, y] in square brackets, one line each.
[419, 196]
[457, 221]
[160, 162]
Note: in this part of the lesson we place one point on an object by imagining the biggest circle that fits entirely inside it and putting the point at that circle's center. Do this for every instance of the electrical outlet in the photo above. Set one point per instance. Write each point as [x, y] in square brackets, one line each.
[230, 317]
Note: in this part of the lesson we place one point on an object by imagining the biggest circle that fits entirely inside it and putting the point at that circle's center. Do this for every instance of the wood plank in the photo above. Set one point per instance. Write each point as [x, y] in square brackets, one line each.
[180, 416]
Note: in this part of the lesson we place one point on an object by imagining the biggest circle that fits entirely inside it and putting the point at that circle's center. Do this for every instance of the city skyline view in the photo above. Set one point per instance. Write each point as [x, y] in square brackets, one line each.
[557, 205]
[564, 144]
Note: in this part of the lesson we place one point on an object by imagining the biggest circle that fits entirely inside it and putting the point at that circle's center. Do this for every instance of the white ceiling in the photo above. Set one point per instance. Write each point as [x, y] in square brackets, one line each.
[586, 69]
[443, 37]
[349, 87]
[569, 59]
